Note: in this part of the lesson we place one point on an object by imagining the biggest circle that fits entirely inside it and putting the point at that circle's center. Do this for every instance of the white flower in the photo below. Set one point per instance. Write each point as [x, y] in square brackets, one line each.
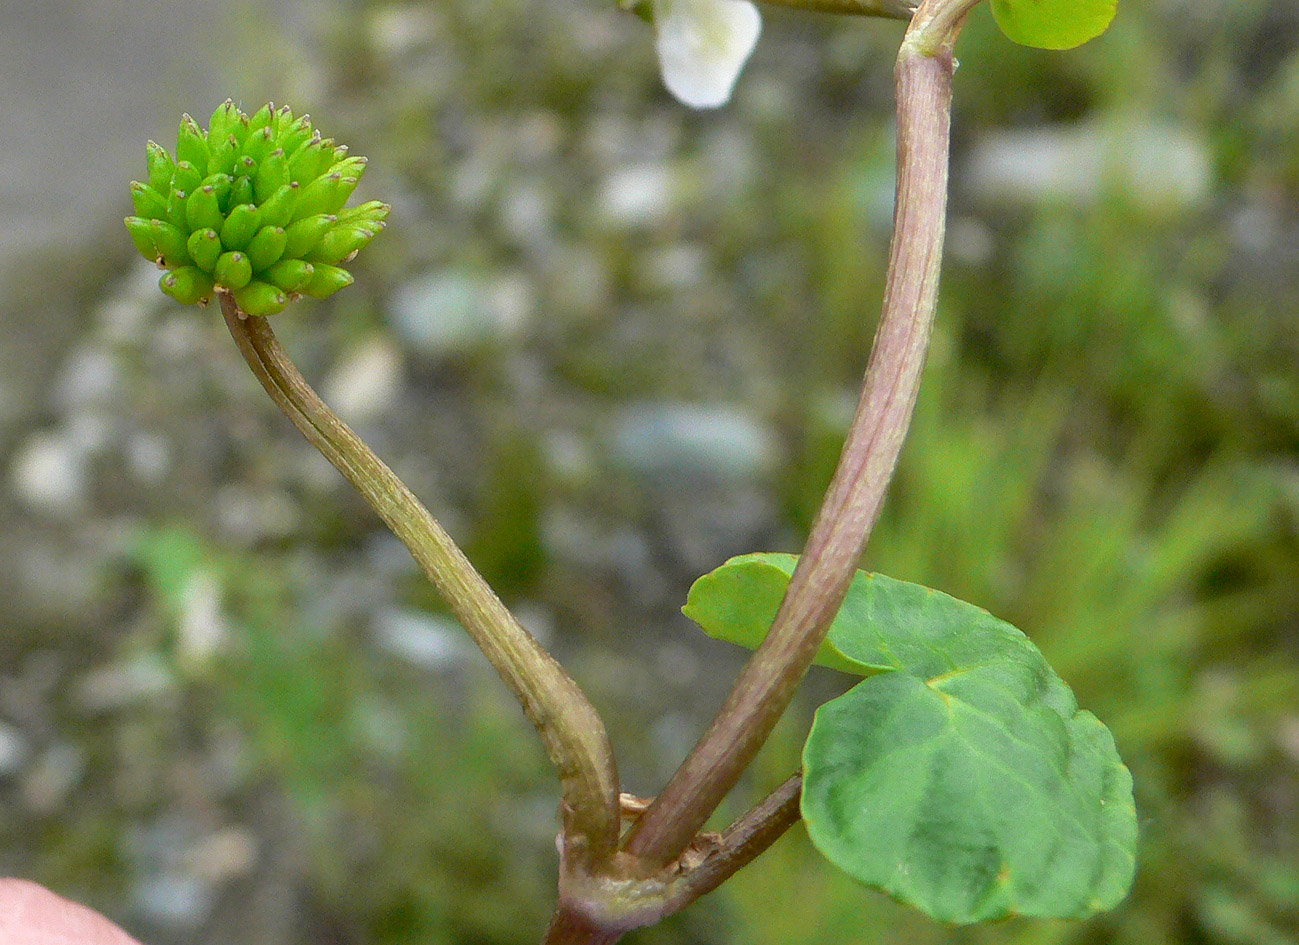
[703, 45]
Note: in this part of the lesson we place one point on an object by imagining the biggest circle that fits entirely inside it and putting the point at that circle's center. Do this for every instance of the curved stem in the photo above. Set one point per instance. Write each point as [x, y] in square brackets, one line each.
[851, 505]
[570, 728]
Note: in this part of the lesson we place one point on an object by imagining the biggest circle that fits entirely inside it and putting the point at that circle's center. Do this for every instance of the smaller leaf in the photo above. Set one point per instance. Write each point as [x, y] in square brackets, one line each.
[1054, 24]
[738, 601]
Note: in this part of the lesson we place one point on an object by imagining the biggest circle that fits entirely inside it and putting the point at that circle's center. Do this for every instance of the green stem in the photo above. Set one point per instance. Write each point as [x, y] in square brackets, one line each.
[766, 685]
[893, 9]
[570, 728]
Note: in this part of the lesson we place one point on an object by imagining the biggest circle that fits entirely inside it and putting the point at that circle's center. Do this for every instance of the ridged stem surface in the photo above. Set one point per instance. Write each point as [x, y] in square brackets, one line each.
[570, 728]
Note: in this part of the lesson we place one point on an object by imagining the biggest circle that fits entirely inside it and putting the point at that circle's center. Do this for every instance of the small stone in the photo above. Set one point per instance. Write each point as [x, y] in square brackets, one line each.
[1159, 166]
[640, 195]
[366, 382]
[203, 627]
[13, 750]
[256, 514]
[715, 440]
[149, 456]
[442, 313]
[52, 778]
[174, 898]
[569, 457]
[676, 267]
[455, 311]
[140, 679]
[90, 376]
[49, 474]
[527, 212]
[226, 854]
[428, 641]
[399, 29]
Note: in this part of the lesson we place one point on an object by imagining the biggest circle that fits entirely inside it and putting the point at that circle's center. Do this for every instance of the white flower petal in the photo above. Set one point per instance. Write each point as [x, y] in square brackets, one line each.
[703, 45]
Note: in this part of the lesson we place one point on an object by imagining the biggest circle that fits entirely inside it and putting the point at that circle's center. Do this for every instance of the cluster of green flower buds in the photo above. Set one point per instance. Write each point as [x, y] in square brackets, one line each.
[252, 206]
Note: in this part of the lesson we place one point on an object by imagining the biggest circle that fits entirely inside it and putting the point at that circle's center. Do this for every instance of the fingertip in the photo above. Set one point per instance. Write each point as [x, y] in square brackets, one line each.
[30, 914]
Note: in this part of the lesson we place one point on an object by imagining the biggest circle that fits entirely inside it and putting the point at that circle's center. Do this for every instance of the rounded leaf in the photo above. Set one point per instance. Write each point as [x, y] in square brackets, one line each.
[920, 789]
[737, 603]
[1053, 24]
[963, 779]
[960, 776]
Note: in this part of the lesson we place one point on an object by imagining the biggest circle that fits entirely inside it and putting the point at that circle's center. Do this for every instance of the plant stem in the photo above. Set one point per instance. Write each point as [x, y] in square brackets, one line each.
[742, 842]
[570, 728]
[570, 927]
[893, 9]
[851, 505]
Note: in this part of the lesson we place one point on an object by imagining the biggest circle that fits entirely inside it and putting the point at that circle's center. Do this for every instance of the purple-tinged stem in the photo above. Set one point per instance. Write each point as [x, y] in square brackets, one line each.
[852, 504]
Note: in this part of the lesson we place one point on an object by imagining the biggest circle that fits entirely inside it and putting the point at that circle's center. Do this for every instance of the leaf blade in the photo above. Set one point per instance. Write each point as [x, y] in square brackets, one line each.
[1054, 24]
[737, 602]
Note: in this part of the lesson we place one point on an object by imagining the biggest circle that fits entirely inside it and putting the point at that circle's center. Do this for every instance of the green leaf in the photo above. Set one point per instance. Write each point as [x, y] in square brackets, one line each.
[738, 601]
[960, 776]
[965, 782]
[1053, 24]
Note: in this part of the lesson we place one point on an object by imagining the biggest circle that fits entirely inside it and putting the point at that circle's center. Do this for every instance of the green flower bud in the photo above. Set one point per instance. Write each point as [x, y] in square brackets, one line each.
[259, 144]
[318, 197]
[224, 156]
[187, 285]
[252, 206]
[341, 241]
[262, 117]
[310, 160]
[225, 120]
[203, 209]
[176, 210]
[187, 177]
[326, 280]
[204, 247]
[305, 234]
[241, 191]
[296, 134]
[350, 167]
[267, 247]
[160, 166]
[241, 225]
[278, 211]
[261, 298]
[272, 174]
[289, 274]
[375, 210]
[191, 143]
[170, 242]
[232, 270]
[148, 202]
[141, 230]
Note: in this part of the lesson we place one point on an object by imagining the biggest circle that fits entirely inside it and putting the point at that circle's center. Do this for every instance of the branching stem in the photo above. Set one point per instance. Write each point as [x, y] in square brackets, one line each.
[767, 683]
[570, 728]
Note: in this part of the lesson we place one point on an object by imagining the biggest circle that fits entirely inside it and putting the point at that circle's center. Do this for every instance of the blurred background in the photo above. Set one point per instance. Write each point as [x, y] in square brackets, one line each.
[612, 342]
